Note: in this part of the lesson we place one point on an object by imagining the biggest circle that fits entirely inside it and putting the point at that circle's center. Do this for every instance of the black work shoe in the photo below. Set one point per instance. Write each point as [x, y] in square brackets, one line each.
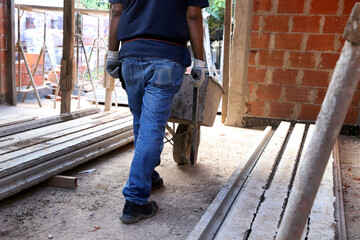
[133, 212]
[159, 183]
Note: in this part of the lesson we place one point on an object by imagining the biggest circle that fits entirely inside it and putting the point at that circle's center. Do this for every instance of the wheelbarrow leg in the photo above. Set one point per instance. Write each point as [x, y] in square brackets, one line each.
[194, 146]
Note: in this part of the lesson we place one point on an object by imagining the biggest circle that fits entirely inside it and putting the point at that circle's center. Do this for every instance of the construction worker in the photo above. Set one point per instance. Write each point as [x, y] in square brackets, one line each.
[151, 64]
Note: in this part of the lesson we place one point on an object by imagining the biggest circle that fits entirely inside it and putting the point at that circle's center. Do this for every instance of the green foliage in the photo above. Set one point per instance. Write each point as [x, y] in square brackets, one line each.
[216, 18]
[94, 4]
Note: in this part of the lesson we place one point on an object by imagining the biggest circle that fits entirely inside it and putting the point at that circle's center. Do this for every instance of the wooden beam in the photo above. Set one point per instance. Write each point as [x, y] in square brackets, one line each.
[11, 96]
[226, 52]
[62, 181]
[67, 61]
[28, 7]
[21, 127]
[29, 177]
[239, 63]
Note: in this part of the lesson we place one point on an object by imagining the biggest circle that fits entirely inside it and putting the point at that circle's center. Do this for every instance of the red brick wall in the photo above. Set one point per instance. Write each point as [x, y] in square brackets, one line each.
[3, 14]
[293, 51]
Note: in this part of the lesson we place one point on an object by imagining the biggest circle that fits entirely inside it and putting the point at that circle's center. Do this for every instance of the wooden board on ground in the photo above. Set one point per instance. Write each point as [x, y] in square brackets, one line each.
[101, 96]
[62, 181]
[21, 127]
[15, 120]
[240, 216]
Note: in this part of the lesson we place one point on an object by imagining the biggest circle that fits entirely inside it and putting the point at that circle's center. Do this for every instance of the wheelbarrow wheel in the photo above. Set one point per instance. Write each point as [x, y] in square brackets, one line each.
[182, 143]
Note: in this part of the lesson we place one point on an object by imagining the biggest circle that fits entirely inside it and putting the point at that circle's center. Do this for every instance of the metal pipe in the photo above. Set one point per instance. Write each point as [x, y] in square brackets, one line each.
[328, 124]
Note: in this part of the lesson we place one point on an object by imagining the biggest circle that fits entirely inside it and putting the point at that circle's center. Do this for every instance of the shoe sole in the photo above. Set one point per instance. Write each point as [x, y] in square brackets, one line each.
[127, 219]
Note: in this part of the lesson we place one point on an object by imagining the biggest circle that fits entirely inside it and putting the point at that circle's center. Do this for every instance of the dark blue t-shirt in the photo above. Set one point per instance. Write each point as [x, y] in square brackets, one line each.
[155, 28]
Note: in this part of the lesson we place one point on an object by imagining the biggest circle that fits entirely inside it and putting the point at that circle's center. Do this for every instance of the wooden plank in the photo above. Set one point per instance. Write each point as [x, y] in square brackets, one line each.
[226, 54]
[44, 146]
[67, 62]
[239, 218]
[267, 219]
[216, 212]
[32, 137]
[15, 120]
[238, 91]
[11, 96]
[29, 7]
[62, 181]
[21, 127]
[15, 164]
[38, 173]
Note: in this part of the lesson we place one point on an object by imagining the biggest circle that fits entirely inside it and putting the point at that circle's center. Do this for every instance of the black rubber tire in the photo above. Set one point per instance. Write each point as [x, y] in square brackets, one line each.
[182, 143]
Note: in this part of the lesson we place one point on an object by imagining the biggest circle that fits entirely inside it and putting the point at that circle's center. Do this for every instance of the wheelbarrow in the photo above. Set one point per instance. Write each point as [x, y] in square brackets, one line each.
[192, 108]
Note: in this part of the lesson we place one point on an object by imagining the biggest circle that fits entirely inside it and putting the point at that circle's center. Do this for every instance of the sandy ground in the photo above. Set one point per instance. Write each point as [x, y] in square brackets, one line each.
[92, 210]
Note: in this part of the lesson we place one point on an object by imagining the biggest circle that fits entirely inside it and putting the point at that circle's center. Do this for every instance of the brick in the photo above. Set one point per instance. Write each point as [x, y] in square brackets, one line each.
[302, 59]
[356, 99]
[297, 94]
[2, 57]
[2, 27]
[352, 115]
[288, 41]
[335, 24]
[328, 60]
[306, 24]
[252, 56]
[285, 76]
[268, 92]
[320, 95]
[256, 74]
[3, 12]
[262, 5]
[259, 40]
[348, 6]
[342, 42]
[255, 108]
[276, 23]
[324, 7]
[3, 86]
[323, 42]
[309, 112]
[286, 6]
[315, 78]
[281, 110]
[273, 59]
[256, 22]
[2, 42]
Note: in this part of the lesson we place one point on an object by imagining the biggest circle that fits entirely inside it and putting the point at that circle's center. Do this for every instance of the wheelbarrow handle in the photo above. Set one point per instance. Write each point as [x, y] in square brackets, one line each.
[193, 152]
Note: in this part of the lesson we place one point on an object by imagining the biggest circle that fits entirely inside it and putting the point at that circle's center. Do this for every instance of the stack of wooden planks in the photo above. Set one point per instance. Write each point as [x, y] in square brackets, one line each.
[40, 149]
[252, 207]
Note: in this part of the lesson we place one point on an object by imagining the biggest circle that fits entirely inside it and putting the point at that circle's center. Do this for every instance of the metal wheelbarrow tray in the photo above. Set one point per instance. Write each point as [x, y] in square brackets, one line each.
[210, 93]
[186, 138]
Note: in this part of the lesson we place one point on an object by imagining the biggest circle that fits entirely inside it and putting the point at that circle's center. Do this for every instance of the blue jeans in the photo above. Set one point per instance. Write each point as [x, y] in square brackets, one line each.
[151, 84]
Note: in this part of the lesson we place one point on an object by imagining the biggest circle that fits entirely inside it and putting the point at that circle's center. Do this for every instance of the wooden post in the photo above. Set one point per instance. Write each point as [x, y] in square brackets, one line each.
[10, 56]
[328, 124]
[67, 61]
[109, 83]
[226, 52]
[237, 93]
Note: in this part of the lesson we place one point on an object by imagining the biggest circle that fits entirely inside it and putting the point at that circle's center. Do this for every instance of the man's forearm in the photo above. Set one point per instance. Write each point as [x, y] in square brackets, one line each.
[195, 23]
[116, 11]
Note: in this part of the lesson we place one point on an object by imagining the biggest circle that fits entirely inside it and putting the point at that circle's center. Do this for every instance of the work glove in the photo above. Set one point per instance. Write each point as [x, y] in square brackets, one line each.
[197, 74]
[113, 64]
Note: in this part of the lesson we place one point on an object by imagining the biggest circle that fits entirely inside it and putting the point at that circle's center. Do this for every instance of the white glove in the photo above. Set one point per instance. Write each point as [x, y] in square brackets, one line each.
[113, 64]
[197, 75]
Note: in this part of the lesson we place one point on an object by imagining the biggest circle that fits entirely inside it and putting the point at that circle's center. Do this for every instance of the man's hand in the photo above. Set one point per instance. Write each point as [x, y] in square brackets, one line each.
[197, 75]
[113, 64]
